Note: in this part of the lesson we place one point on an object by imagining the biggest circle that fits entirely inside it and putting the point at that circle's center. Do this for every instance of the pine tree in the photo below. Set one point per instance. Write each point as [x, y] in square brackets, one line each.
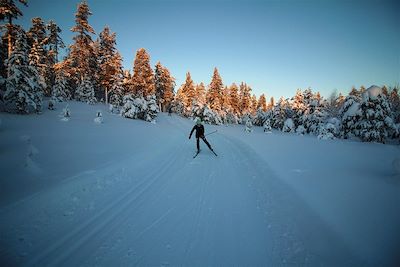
[81, 58]
[23, 91]
[60, 90]
[234, 99]
[376, 123]
[214, 94]
[254, 104]
[143, 78]
[201, 94]
[38, 55]
[262, 103]
[8, 12]
[54, 41]
[164, 84]
[179, 100]
[116, 92]
[298, 106]
[226, 103]
[271, 103]
[395, 103]
[109, 62]
[85, 91]
[245, 98]
[350, 114]
[188, 90]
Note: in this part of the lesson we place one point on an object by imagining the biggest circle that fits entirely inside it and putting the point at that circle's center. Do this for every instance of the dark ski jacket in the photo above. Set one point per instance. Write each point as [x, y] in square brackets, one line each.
[199, 131]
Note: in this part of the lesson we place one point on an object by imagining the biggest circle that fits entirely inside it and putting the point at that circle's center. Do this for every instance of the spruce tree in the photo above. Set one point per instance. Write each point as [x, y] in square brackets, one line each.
[214, 94]
[234, 99]
[8, 12]
[188, 89]
[109, 63]
[254, 104]
[85, 91]
[262, 103]
[245, 98]
[60, 90]
[38, 55]
[54, 41]
[143, 78]
[201, 94]
[23, 91]
[164, 84]
[81, 58]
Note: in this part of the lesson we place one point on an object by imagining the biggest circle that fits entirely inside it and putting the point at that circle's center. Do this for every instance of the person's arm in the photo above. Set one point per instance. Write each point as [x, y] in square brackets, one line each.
[190, 135]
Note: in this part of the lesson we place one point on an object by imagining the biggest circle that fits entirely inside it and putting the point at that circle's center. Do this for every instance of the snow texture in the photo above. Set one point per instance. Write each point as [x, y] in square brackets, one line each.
[129, 193]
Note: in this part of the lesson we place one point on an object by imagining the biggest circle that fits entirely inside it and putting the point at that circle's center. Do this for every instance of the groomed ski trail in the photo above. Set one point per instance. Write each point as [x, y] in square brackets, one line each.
[166, 208]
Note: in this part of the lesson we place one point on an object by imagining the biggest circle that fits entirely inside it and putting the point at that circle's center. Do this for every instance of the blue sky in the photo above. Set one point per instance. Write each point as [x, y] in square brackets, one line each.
[274, 46]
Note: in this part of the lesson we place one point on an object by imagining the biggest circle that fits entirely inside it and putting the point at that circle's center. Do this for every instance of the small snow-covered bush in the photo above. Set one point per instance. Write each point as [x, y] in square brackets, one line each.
[288, 126]
[327, 131]
[249, 126]
[267, 126]
[99, 117]
[300, 130]
[140, 108]
[66, 114]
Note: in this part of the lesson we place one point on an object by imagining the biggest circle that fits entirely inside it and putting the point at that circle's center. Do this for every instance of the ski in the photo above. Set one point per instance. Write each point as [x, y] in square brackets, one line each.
[195, 155]
[214, 153]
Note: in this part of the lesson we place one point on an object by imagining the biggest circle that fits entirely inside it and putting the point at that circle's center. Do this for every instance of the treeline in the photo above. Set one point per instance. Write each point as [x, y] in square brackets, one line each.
[92, 72]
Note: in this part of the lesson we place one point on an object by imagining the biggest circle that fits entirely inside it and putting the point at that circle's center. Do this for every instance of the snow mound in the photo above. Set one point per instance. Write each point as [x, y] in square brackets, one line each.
[373, 91]
[288, 126]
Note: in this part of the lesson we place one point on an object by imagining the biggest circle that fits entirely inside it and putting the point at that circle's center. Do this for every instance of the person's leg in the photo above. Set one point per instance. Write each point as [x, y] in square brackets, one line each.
[198, 144]
[205, 141]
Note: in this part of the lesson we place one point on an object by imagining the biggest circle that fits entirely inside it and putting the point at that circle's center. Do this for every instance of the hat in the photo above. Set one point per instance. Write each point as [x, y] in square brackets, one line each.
[198, 121]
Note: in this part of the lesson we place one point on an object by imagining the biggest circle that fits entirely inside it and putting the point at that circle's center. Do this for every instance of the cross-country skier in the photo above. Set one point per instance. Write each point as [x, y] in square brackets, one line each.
[200, 134]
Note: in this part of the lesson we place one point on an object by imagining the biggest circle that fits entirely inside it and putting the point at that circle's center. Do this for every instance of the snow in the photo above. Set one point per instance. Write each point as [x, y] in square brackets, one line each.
[128, 192]
[373, 91]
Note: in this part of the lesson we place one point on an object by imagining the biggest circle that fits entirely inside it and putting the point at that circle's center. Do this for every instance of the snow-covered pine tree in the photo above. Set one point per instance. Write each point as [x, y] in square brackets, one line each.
[110, 64]
[178, 103]
[143, 77]
[245, 98]
[54, 40]
[81, 59]
[201, 94]
[164, 84]
[279, 113]
[262, 103]
[140, 107]
[8, 12]
[260, 117]
[23, 91]
[214, 93]
[395, 104]
[350, 114]
[254, 103]
[298, 105]
[376, 123]
[38, 55]
[60, 90]
[234, 99]
[314, 114]
[188, 89]
[271, 103]
[85, 91]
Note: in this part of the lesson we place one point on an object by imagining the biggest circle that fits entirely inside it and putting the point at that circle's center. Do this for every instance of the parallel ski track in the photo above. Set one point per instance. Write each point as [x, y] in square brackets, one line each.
[112, 215]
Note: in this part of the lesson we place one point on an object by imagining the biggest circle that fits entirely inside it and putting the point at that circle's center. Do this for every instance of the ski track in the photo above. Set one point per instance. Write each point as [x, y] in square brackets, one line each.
[167, 216]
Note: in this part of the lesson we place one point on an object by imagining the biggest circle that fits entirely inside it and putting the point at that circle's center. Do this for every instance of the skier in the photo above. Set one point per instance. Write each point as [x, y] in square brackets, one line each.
[200, 134]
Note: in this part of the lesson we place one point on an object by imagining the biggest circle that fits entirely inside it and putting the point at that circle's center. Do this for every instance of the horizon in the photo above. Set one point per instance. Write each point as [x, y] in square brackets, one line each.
[321, 45]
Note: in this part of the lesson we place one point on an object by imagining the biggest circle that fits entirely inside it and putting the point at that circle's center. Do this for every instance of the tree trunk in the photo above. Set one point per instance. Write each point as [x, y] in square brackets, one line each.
[9, 36]
[106, 96]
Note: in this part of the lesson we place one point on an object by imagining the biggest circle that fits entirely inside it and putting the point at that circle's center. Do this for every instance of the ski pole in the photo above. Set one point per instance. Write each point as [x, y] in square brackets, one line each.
[212, 132]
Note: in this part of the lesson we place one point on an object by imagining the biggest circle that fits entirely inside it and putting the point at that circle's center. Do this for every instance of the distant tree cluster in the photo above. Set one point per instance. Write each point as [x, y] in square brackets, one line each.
[92, 72]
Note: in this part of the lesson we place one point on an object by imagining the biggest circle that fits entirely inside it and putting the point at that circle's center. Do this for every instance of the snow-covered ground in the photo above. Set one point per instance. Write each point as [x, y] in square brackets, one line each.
[128, 192]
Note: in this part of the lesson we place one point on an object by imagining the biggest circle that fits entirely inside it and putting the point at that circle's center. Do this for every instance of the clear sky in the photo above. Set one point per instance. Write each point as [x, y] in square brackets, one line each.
[274, 46]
